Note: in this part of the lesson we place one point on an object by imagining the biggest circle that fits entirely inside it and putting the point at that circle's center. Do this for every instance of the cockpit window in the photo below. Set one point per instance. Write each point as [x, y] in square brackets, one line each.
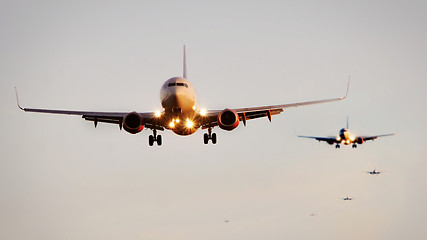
[178, 84]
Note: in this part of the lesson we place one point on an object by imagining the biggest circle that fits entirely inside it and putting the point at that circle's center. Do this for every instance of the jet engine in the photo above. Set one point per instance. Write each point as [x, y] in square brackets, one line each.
[330, 142]
[228, 119]
[133, 123]
[360, 140]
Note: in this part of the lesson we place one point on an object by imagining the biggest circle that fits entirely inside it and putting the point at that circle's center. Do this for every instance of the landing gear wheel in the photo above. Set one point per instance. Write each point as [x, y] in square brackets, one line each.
[205, 138]
[151, 140]
[159, 140]
[337, 146]
[155, 138]
[209, 135]
[214, 138]
[354, 146]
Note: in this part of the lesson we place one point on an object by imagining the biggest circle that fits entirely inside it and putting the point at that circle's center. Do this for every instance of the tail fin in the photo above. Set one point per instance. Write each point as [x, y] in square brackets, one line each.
[347, 122]
[185, 66]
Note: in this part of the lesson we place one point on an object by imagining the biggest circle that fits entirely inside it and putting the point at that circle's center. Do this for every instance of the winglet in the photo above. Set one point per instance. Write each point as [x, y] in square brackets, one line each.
[17, 100]
[348, 87]
[185, 66]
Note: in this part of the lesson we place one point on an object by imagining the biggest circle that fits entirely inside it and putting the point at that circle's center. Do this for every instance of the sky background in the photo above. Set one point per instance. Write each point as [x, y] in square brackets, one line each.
[60, 178]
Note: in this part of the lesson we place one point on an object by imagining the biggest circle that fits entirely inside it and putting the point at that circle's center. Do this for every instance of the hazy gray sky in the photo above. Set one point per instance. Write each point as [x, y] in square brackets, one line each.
[62, 179]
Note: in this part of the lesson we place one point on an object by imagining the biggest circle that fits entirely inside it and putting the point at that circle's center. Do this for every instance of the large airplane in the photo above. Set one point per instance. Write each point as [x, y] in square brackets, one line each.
[345, 137]
[181, 113]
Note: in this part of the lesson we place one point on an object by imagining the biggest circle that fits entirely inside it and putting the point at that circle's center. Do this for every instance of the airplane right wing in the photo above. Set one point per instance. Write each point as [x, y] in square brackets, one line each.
[330, 140]
[148, 118]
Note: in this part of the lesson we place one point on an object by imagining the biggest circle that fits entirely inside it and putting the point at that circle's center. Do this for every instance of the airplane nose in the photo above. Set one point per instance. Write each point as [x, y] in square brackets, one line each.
[170, 100]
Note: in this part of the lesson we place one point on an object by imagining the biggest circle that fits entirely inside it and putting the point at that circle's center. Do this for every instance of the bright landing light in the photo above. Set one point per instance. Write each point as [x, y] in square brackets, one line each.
[203, 112]
[171, 124]
[189, 124]
[157, 114]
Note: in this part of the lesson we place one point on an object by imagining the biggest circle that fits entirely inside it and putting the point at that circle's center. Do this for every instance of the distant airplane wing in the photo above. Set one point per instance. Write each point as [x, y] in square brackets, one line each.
[367, 138]
[329, 140]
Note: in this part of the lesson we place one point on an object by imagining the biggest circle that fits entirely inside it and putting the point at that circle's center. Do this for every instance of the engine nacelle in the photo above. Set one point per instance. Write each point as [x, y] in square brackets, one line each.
[133, 123]
[360, 140]
[228, 119]
[330, 142]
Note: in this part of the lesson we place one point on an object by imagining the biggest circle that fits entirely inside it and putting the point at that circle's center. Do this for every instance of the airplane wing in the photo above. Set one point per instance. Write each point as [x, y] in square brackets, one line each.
[259, 112]
[210, 120]
[366, 138]
[105, 117]
[329, 140]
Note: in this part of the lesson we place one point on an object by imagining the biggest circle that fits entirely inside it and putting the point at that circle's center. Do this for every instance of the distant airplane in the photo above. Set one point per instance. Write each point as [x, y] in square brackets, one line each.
[347, 199]
[374, 172]
[181, 113]
[346, 138]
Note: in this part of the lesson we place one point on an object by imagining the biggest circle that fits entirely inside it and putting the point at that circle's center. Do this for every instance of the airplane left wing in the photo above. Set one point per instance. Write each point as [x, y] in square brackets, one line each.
[367, 138]
[258, 112]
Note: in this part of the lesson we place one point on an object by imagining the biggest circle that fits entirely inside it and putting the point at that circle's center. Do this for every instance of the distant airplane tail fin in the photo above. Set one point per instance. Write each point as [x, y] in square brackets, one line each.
[347, 123]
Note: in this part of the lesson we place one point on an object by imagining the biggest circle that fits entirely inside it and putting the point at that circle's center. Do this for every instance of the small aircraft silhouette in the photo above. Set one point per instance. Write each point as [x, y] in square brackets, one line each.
[346, 137]
[375, 172]
[347, 199]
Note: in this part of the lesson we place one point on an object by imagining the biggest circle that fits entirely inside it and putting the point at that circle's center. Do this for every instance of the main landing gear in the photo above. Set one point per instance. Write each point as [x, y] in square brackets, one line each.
[354, 145]
[155, 138]
[337, 146]
[209, 135]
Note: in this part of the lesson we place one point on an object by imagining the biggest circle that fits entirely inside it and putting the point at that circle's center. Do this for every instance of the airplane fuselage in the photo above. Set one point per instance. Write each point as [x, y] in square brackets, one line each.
[179, 101]
[345, 137]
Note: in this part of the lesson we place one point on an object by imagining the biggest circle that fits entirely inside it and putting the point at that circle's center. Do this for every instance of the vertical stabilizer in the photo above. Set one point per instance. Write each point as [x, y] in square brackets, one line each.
[184, 75]
[347, 122]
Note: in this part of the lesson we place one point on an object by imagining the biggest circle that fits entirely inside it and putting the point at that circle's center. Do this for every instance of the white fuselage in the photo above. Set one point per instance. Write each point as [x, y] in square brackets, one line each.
[345, 137]
[179, 101]
[178, 95]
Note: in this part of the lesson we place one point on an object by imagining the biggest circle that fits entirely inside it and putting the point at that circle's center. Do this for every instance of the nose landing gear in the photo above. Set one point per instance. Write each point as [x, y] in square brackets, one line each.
[209, 135]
